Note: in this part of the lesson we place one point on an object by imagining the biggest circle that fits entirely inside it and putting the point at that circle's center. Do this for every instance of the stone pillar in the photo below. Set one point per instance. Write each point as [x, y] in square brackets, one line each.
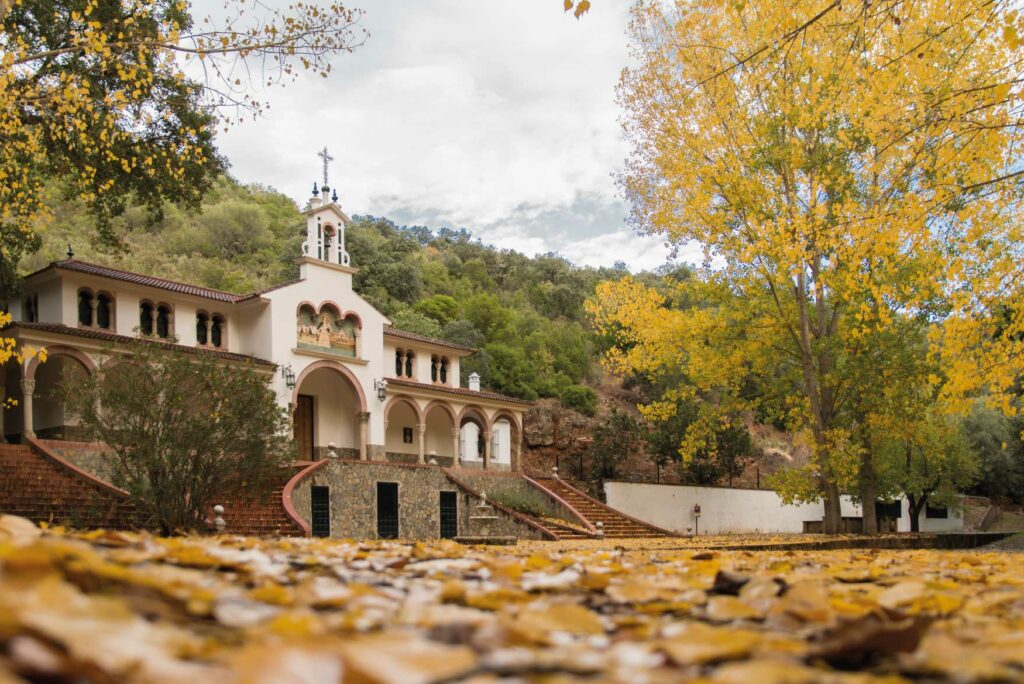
[152, 320]
[93, 303]
[209, 331]
[456, 456]
[421, 452]
[28, 386]
[364, 421]
[488, 435]
[517, 451]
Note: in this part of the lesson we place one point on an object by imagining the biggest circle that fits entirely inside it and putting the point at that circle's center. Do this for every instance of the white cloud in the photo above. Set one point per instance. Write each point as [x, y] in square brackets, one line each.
[497, 117]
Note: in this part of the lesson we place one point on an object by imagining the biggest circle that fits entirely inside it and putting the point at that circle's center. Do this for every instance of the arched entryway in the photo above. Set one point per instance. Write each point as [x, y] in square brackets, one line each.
[441, 438]
[329, 407]
[44, 414]
[473, 437]
[505, 440]
[402, 428]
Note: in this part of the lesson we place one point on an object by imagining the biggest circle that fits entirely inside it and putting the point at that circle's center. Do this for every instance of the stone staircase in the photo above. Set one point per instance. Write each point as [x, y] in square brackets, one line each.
[616, 525]
[43, 488]
[262, 517]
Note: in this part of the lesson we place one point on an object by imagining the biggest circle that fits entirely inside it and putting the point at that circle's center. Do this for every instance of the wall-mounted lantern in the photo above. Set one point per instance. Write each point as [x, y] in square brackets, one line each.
[289, 376]
[696, 519]
[382, 388]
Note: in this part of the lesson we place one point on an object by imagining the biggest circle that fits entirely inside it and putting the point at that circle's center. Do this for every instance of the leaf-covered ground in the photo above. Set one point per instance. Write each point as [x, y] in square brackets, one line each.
[114, 606]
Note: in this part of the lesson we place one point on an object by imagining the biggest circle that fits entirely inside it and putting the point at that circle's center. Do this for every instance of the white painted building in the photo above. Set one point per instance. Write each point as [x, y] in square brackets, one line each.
[349, 378]
[726, 510]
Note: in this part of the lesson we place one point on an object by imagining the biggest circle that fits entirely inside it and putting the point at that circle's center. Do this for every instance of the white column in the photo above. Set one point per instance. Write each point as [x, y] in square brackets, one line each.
[487, 449]
[364, 419]
[421, 429]
[28, 386]
[456, 456]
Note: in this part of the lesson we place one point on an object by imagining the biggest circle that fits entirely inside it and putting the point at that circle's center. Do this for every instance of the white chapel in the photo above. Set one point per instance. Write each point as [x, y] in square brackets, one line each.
[356, 386]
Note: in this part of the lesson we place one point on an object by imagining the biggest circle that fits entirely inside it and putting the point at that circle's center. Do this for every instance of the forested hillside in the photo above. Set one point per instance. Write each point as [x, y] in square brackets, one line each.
[524, 314]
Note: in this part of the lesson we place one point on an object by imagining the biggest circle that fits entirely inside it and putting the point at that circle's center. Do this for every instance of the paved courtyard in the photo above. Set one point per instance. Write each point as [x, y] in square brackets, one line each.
[132, 607]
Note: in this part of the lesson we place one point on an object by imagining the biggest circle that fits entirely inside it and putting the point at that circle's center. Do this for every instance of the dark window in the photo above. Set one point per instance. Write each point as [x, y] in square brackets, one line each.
[936, 511]
[433, 369]
[85, 308]
[449, 515]
[444, 371]
[387, 510]
[163, 321]
[890, 510]
[32, 308]
[201, 328]
[146, 318]
[217, 331]
[408, 364]
[103, 311]
[320, 509]
[407, 435]
[398, 363]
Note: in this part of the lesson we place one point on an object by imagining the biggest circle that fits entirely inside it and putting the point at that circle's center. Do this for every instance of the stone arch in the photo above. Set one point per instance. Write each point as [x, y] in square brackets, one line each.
[403, 399]
[473, 426]
[307, 304]
[45, 415]
[337, 368]
[515, 437]
[60, 350]
[327, 412]
[441, 433]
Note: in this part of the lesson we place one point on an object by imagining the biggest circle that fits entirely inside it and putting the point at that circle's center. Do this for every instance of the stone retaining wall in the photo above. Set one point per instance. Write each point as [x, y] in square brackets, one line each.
[353, 496]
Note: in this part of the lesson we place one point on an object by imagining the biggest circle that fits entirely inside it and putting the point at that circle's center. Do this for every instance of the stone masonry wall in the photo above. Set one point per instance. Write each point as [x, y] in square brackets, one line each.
[353, 496]
[91, 457]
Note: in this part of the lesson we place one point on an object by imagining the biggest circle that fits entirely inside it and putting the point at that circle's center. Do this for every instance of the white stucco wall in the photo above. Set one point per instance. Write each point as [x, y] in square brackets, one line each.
[726, 510]
[501, 441]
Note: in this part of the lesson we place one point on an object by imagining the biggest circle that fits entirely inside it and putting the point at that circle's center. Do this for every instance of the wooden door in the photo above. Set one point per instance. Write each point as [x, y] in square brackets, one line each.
[304, 427]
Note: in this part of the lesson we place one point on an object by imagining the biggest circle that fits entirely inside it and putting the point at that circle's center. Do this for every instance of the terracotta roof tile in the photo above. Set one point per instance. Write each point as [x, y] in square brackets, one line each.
[463, 391]
[405, 334]
[145, 280]
[94, 334]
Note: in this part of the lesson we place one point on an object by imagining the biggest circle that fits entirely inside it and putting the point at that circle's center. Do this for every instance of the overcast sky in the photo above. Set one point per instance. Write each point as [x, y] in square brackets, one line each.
[494, 116]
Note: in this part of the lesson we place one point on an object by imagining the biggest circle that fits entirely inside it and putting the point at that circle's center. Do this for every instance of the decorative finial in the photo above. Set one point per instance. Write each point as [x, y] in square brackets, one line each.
[325, 155]
[316, 190]
[71, 252]
[334, 195]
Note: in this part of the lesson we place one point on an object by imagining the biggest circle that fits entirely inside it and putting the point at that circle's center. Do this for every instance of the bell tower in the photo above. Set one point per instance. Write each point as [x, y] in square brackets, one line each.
[325, 222]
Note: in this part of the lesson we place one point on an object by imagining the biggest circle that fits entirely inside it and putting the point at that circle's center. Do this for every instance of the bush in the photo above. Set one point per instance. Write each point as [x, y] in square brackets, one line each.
[530, 502]
[580, 398]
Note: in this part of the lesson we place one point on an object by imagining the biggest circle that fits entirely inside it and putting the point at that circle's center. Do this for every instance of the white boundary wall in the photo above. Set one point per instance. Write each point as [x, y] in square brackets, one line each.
[737, 510]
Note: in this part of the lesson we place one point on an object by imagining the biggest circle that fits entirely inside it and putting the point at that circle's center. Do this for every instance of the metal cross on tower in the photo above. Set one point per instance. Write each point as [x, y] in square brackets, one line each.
[323, 154]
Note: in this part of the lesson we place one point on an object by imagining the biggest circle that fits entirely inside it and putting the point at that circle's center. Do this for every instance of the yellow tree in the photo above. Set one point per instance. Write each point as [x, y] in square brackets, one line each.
[846, 168]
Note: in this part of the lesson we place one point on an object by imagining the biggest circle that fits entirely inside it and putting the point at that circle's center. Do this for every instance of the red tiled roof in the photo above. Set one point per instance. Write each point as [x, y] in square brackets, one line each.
[404, 334]
[463, 391]
[145, 280]
[94, 334]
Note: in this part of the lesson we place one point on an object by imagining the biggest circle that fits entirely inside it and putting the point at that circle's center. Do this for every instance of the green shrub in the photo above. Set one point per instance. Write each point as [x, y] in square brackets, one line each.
[580, 398]
[529, 502]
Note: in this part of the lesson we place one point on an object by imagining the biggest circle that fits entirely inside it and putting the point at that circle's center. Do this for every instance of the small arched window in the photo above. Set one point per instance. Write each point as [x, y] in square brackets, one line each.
[163, 321]
[146, 318]
[201, 328]
[433, 369]
[104, 311]
[85, 303]
[32, 308]
[409, 357]
[217, 330]
[399, 355]
[444, 371]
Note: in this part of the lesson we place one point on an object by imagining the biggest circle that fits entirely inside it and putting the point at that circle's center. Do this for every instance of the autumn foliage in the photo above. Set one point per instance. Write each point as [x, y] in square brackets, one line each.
[849, 171]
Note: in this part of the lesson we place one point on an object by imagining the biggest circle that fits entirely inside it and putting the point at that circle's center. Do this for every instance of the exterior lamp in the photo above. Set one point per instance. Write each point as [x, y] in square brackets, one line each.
[696, 519]
[289, 376]
[382, 388]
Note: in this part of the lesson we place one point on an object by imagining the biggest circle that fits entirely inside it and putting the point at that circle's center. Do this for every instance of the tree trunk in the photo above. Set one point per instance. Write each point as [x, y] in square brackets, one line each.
[868, 495]
[916, 506]
[833, 511]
